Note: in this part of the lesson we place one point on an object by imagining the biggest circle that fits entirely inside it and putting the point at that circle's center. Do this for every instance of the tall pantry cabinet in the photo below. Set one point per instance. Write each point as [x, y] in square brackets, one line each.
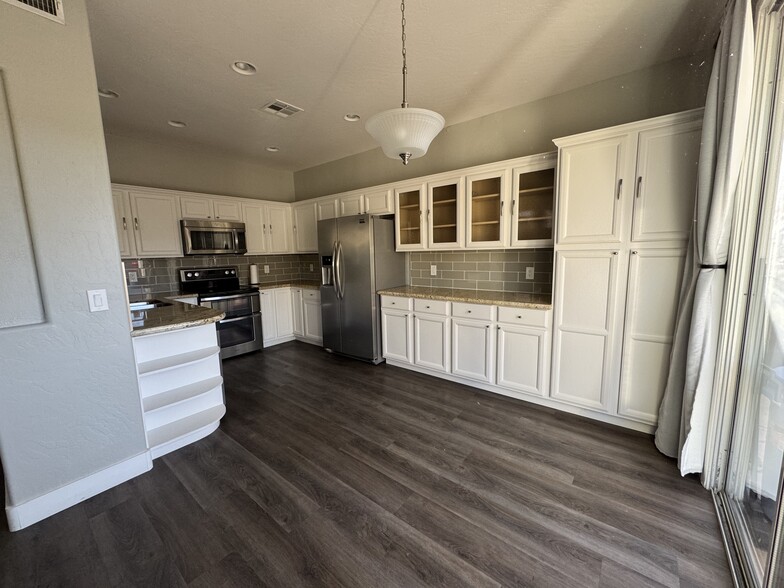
[625, 208]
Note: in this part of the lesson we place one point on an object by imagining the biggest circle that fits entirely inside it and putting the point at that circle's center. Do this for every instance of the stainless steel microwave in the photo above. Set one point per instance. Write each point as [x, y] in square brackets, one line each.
[207, 237]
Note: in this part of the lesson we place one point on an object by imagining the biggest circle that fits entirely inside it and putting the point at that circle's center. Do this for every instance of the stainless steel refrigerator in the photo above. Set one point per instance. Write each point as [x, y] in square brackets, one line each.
[358, 258]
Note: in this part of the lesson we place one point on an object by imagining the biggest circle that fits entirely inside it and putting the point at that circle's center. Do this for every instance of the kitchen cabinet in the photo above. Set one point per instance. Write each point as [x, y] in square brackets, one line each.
[445, 218]
[277, 315]
[410, 204]
[396, 329]
[124, 220]
[156, 224]
[284, 313]
[255, 219]
[487, 209]
[311, 316]
[533, 206]
[296, 306]
[379, 202]
[279, 239]
[304, 229]
[200, 207]
[431, 334]
[472, 349]
[327, 208]
[351, 204]
[523, 355]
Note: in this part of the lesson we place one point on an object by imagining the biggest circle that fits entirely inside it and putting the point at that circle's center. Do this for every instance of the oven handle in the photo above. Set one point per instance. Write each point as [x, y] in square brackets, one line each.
[240, 318]
[233, 296]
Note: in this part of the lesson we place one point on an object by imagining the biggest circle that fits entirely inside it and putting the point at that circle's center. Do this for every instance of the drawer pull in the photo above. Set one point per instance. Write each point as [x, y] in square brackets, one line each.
[519, 316]
[468, 312]
[427, 306]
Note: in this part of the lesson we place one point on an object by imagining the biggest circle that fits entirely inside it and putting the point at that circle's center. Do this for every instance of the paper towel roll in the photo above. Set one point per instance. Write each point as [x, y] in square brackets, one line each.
[254, 273]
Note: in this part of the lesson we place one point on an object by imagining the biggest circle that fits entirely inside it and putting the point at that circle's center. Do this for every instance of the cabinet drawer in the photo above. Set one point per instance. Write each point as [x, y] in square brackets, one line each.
[308, 294]
[439, 307]
[476, 311]
[530, 317]
[397, 302]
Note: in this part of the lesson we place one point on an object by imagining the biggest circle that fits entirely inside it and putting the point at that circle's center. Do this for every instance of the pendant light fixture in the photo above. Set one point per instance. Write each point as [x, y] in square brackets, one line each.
[405, 132]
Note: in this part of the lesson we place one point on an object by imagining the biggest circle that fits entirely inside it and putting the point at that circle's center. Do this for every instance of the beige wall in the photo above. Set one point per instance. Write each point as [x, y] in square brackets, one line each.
[175, 166]
[526, 129]
[69, 401]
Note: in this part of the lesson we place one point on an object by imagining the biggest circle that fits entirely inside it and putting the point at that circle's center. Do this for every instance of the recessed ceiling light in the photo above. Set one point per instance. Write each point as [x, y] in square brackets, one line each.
[177, 124]
[244, 68]
[351, 117]
[273, 149]
[107, 93]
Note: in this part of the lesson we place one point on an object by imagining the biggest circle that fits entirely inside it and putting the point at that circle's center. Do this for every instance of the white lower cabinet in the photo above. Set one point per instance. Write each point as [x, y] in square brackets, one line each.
[431, 341]
[523, 358]
[396, 335]
[311, 316]
[296, 306]
[472, 349]
[277, 317]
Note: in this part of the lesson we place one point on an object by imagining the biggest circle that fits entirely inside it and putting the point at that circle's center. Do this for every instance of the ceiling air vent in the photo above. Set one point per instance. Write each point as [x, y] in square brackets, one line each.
[280, 108]
[51, 9]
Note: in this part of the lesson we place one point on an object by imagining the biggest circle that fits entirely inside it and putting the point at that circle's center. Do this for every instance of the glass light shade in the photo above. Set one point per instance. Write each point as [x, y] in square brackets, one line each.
[405, 130]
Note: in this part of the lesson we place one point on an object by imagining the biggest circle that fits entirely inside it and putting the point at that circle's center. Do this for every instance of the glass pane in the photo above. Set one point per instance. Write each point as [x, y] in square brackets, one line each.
[444, 214]
[535, 205]
[212, 240]
[486, 210]
[410, 216]
[236, 332]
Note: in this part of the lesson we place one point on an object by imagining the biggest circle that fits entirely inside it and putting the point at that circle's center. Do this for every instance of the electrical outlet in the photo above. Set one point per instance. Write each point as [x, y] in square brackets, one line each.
[142, 272]
[266, 269]
[433, 270]
[529, 272]
[311, 267]
[133, 277]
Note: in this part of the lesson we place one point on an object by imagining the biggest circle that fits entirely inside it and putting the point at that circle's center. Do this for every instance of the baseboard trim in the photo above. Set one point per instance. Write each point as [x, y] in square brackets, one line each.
[310, 341]
[23, 515]
[278, 341]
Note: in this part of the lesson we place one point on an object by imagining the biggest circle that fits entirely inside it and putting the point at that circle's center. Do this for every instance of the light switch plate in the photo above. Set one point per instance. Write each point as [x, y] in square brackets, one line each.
[97, 300]
[133, 277]
[311, 267]
[433, 270]
[266, 269]
[529, 272]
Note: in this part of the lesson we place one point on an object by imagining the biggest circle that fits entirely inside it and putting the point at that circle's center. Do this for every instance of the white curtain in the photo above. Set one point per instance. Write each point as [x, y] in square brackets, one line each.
[685, 407]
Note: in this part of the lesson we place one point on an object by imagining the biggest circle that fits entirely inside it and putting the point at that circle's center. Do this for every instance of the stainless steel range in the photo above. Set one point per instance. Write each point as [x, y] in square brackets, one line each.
[219, 287]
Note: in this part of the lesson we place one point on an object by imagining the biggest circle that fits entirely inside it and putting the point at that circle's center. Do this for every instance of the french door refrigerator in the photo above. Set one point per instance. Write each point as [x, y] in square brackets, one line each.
[358, 258]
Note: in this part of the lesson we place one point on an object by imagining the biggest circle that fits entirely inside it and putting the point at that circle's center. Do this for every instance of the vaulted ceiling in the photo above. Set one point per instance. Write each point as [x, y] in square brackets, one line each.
[171, 60]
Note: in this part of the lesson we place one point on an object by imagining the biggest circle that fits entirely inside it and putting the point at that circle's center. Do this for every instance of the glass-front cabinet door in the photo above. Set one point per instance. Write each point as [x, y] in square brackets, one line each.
[445, 217]
[533, 197]
[487, 209]
[410, 233]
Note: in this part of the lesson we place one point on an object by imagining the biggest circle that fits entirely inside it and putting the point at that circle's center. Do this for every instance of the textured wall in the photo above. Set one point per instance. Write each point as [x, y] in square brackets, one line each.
[176, 166]
[526, 129]
[69, 401]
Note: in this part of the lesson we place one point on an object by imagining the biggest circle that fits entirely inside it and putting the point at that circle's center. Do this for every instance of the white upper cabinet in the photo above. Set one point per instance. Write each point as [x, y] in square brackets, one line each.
[255, 218]
[305, 235]
[156, 224]
[379, 202]
[533, 205]
[351, 204]
[227, 210]
[592, 181]
[202, 207]
[124, 221]
[327, 208]
[410, 205]
[279, 239]
[445, 216]
[666, 182]
[487, 209]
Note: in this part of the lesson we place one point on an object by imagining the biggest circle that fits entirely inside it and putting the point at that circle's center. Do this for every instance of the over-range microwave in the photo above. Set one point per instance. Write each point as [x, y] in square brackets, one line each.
[207, 237]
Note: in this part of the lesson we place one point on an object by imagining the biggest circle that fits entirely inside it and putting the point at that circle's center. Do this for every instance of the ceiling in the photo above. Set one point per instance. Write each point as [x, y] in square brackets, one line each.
[171, 60]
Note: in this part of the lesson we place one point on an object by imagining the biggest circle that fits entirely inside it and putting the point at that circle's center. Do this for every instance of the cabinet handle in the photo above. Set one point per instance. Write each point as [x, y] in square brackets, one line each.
[209, 217]
[639, 183]
[634, 253]
[125, 225]
[502, 208]
[620, 185]
[217, 217]
[487, 326]
[427, 307]
[615, 253]
[520, 317]
[468, 312]
[136, 223]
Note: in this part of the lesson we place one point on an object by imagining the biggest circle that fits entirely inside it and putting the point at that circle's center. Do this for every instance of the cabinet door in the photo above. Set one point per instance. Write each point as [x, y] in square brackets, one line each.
[227, 210]
[521, 364]
[651, 308]
[351, 204]
[305, 236]
[296, 309]
[268, 324]
[284, 312]
[586, 320]
[666, 182]
[445, 217]
[327, 208]
[396, 340]
[156, 223]
[196, 207]
[591, 188]
[122, 219]
[472, 349]
[278, 229]
[380, 202]
[312, 317]
[487, 209]
[431, 341]
[533, 203]
[254, 216]
[410, 218]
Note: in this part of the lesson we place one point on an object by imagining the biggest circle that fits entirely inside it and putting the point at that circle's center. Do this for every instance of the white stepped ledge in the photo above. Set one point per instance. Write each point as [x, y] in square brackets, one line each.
[175, 361]
[186, 429]
[181, 394]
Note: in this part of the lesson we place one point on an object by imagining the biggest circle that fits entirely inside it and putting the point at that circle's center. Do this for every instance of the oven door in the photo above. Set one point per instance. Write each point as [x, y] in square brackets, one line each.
[239, 335]
[235, 305]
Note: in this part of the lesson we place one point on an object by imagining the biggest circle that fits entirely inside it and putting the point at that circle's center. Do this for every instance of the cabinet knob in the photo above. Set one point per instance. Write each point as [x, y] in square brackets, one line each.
[427, 307]
[487, 326]
[615, 253]
[634, 253]
[468, 312]
[518, 316]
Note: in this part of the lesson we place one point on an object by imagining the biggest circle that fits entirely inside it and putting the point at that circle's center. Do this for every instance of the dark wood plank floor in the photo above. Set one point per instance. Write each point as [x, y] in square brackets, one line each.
[330, 472]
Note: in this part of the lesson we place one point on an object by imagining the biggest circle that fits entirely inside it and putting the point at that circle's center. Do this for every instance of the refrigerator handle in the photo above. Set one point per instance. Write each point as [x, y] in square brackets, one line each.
[339, 270]
[334, 266]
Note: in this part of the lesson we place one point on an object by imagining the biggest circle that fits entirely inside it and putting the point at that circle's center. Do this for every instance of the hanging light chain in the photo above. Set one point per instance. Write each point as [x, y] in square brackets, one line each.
[403, 39]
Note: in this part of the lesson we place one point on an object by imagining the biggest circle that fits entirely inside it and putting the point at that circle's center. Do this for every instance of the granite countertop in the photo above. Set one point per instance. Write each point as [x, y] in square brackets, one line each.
[515, 299]
[307, 284]
[177, 315]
